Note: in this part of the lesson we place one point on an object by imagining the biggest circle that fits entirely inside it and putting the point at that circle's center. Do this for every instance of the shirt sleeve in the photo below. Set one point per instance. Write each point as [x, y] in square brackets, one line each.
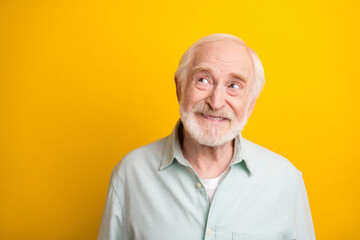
[303, 224]
[111, 221]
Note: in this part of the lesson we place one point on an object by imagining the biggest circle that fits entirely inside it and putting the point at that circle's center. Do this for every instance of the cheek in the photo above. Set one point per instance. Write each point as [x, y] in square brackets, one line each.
[186, 103]
[240, 109]
[193, 97]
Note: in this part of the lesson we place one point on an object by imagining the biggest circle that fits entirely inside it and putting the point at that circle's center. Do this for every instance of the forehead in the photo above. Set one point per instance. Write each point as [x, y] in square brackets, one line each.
[225, 56]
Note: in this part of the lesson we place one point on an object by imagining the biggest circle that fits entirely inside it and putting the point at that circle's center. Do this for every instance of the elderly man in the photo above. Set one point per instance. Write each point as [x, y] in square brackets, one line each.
[205, 181]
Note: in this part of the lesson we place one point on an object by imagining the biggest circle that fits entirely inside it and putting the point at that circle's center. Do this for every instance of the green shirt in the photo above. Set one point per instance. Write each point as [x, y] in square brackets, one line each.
[155, 194]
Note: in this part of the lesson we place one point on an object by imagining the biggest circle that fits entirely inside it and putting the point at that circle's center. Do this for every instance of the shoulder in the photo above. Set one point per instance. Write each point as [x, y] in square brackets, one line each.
[145, 158]
[265, 161]
[142, 154]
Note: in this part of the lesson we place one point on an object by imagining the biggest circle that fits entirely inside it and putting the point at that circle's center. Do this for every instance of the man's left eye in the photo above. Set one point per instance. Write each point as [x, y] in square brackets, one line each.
[234, 85]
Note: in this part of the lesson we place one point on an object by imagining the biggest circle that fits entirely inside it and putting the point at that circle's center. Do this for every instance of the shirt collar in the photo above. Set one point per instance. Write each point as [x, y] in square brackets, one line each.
[173, 151]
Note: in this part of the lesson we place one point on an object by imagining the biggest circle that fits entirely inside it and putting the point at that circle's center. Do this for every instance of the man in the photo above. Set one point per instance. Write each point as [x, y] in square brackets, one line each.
[205, 181]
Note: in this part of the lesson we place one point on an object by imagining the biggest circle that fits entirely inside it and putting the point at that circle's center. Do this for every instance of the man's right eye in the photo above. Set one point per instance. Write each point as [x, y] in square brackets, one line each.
[203, 80]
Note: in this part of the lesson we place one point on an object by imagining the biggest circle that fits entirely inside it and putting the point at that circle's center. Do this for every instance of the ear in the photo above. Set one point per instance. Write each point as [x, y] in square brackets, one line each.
[178, 88]
[251, 107]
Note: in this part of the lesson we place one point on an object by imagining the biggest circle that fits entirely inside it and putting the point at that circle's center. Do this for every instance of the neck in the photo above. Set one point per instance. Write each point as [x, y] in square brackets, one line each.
[207, 161]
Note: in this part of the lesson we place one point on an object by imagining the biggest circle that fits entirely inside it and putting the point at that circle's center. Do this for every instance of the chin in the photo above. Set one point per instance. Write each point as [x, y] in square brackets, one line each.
[210, 134]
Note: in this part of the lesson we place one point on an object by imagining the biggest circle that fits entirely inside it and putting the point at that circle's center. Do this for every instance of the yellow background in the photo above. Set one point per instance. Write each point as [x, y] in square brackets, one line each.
[84, 82]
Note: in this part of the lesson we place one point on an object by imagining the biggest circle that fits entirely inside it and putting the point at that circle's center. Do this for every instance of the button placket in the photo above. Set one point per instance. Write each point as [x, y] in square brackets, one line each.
[209, 234]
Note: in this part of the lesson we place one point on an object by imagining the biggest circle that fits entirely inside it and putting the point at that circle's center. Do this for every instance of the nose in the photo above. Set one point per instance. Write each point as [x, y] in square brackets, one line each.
[217, 100]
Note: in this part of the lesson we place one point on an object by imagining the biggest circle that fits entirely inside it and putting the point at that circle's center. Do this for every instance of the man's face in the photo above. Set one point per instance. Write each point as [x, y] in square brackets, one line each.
[215, 104]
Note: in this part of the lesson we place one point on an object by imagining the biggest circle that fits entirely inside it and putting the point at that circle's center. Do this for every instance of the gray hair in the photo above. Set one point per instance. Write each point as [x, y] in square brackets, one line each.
[182, 71]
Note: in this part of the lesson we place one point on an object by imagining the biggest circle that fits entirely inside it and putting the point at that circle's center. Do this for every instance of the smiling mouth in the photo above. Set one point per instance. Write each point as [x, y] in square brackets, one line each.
[214, 118]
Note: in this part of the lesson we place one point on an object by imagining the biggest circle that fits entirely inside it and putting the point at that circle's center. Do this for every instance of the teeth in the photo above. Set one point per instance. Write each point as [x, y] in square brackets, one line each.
[213, 118]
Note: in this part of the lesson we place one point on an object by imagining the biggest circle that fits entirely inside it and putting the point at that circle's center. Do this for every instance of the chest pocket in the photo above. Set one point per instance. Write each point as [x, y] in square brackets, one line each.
[258, 236]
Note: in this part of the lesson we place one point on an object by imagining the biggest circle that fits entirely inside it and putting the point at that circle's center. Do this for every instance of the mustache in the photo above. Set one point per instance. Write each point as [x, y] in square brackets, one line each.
[207, 110]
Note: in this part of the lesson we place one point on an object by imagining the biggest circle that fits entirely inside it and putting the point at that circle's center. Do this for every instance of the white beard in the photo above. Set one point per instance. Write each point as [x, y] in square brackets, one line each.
[211, 135]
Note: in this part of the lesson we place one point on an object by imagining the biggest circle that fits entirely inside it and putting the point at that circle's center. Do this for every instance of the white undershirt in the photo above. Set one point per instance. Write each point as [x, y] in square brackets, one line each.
[212, 184]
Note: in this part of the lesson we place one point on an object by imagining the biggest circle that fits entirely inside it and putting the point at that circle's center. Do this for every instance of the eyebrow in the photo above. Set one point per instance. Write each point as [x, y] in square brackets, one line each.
[201, 69]
[208, 69]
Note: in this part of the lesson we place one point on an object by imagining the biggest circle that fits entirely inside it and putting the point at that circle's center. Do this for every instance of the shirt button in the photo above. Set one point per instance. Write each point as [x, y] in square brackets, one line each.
[198, 185]
[209, 232]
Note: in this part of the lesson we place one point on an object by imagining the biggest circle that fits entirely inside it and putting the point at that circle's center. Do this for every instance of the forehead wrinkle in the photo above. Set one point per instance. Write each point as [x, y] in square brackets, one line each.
[236, 60]
[242, 63]
[227, 59]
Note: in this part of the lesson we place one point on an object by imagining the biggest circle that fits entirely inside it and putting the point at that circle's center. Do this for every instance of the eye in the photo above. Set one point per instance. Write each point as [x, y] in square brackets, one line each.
[203, 80]
[203, 83]
[235, 86]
